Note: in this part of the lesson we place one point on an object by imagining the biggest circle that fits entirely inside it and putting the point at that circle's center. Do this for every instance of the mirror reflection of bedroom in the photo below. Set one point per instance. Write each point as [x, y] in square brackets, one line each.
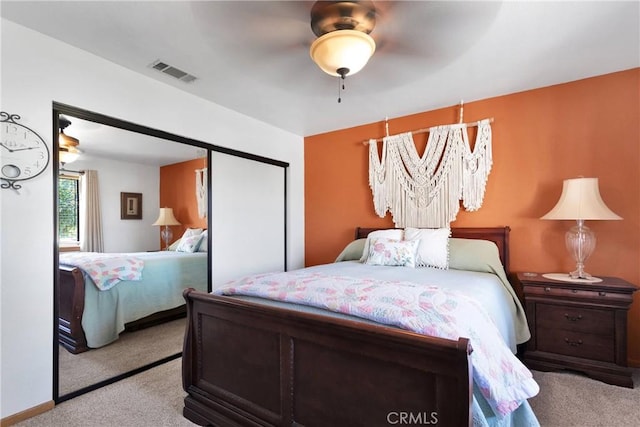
[132, 234]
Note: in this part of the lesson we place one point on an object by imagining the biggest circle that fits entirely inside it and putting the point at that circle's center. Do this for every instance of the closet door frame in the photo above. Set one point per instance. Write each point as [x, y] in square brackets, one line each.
[65, 109]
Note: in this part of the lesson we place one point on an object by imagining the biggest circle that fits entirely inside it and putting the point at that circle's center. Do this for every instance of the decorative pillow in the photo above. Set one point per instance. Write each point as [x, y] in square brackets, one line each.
[474, 255]
[353, 251]
[204, 244]
[433, 250]
[392, 233]
[383, 251]
[174, 245]
[192, 232]
[189, 244]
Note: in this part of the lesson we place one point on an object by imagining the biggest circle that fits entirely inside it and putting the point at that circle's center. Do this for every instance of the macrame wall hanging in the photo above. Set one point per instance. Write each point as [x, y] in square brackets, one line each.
[201, 192]
[425, 191]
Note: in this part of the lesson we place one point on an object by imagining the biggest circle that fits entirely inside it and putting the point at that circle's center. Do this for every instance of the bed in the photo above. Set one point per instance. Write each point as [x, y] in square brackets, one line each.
[252, 361]
[89, 317]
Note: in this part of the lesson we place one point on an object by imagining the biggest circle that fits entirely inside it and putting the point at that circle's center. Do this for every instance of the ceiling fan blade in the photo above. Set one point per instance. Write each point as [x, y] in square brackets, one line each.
[431, 32]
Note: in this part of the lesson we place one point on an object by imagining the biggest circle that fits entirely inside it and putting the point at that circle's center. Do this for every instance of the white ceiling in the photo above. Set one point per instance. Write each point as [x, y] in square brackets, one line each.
[252, 57]
[99, 141]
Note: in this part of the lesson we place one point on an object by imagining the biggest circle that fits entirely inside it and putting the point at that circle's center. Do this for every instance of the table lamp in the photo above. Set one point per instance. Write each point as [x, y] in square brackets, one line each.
[580, 201]
[166, 219]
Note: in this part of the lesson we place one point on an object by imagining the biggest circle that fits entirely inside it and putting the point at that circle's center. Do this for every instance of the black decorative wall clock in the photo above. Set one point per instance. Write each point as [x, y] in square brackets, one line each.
[23, 153]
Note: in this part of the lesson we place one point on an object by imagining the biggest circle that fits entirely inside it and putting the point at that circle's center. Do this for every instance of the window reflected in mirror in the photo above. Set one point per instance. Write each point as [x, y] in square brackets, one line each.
[69, 212]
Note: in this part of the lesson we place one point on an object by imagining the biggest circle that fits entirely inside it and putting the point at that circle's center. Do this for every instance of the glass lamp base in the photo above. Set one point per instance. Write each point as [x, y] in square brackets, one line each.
[166, 235]
[580, 242]
[577, 274]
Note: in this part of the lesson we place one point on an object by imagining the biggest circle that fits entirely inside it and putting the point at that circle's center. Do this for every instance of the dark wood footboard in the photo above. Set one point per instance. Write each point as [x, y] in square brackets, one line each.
[246, 364]
[70, 309]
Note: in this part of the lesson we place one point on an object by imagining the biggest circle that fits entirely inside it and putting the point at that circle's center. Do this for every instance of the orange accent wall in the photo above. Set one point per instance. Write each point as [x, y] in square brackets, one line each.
[178, 191]
[588, 128]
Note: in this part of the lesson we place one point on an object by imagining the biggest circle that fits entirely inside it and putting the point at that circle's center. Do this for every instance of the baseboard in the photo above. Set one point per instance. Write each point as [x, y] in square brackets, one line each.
[27, 413]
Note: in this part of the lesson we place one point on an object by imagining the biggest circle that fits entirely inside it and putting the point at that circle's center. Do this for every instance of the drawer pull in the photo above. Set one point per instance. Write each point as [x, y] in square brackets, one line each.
[575, 291]
[547, 289]
[573, 343]
[602, 293]
[573, 318]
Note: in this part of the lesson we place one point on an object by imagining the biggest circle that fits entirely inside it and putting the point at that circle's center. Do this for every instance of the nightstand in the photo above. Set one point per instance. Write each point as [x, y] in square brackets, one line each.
[578, 326]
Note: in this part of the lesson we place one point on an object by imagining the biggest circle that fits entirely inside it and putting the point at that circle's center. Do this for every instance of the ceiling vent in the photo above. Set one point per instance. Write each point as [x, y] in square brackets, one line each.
[174, 72]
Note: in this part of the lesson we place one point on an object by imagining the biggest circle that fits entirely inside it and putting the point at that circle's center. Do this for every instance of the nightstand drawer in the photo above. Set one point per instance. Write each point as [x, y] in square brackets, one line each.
[555, 291]
[578, 344]
[576, 319]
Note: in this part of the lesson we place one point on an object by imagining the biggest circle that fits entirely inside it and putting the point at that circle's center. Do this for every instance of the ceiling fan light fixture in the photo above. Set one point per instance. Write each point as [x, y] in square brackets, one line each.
[68, 154]
[340, 49]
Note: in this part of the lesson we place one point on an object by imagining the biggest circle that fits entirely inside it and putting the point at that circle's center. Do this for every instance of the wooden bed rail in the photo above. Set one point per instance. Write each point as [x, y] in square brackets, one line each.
[250, 364]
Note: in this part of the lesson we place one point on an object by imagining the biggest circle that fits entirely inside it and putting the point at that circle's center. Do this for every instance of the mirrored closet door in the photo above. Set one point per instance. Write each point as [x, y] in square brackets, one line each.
[121, 188]
[185, 213]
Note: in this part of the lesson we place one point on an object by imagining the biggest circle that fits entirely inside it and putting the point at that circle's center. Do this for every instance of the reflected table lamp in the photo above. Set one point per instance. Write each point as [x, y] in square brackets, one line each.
[580, 201]
[166, 219]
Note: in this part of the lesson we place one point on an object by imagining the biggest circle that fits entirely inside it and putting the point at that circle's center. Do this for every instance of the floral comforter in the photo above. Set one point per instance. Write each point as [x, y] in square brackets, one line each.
[106, 270]
[501, 378]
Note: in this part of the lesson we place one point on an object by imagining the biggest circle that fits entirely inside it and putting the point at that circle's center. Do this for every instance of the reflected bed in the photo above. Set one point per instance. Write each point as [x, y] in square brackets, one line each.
[91, 318]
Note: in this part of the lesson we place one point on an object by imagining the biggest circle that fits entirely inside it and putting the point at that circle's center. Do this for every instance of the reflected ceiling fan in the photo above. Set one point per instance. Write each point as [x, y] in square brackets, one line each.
[67, 144]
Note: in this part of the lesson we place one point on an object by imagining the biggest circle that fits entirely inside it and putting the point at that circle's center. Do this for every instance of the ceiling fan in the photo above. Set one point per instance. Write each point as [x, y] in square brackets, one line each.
[67, 144]
[411, 38]
[343, 46]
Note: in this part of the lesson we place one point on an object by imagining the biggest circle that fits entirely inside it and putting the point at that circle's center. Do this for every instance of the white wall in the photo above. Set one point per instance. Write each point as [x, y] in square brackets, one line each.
[247, 239]
[37, 70]
[114, 177]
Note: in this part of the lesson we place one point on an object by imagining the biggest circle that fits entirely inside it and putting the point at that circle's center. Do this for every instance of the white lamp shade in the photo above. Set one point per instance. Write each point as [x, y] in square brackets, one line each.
[580, 199]
[342, 49]
[166, 217]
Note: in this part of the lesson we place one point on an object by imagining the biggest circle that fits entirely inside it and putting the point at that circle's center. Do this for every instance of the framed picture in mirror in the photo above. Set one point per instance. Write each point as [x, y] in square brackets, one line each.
[130, 205]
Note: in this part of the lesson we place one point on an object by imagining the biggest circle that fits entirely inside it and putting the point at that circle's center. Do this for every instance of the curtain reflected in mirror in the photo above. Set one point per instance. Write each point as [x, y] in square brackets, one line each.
[119, 283]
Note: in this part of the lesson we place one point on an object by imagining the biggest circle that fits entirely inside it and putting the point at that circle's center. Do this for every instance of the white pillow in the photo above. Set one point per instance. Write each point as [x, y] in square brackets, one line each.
[433, 250]
[187, 233]
[204, 245]
[189, 244]
[174, 245]
[384, 251]
[192, 232]
[392, 233]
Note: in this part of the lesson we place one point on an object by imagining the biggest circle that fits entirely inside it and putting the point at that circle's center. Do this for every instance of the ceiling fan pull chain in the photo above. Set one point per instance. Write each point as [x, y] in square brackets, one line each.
[342, 74]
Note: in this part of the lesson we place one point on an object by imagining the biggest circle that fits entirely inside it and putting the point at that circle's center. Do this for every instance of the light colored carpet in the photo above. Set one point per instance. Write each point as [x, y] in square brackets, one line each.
[132, 350]
[155, 398]
[152, 398]
[573, 400]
